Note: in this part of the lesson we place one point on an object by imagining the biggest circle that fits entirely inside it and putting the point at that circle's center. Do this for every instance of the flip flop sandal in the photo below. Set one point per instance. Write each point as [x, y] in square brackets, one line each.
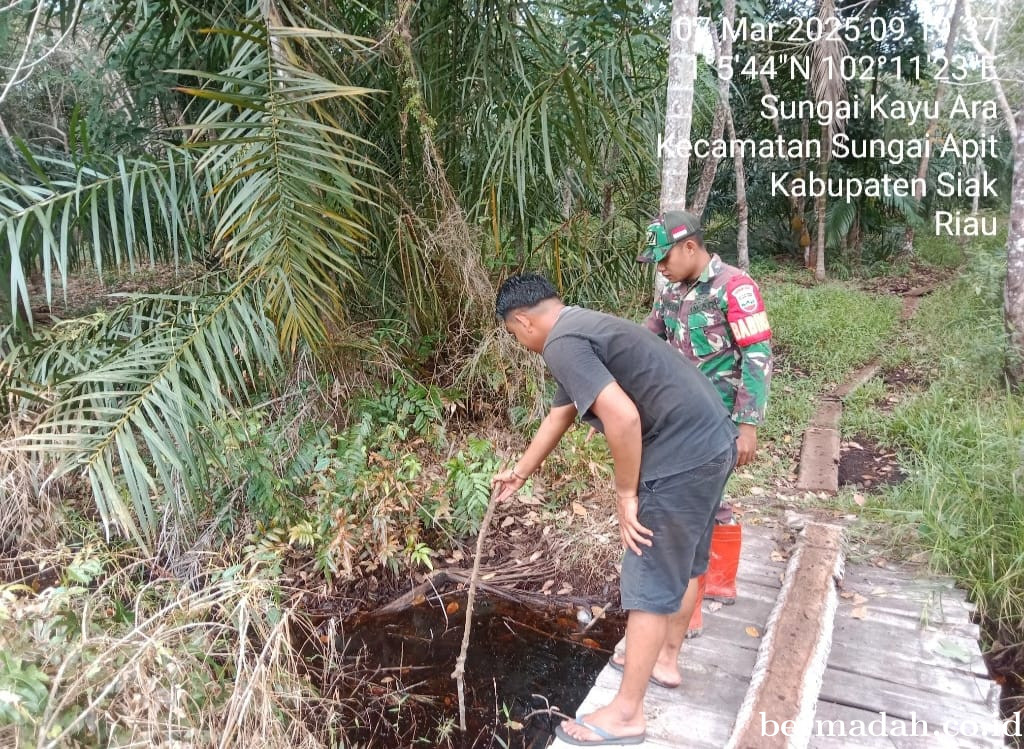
[654, 679]
[607, 738]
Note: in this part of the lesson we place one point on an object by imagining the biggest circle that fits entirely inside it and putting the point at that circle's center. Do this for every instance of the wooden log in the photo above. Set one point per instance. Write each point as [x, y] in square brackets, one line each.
[794, 652]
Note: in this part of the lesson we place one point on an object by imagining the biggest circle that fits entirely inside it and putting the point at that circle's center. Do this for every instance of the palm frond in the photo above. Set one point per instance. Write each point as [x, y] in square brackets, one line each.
[839, 218]
[285, 173]
[827, 52]
[131, 397]
[107, 213]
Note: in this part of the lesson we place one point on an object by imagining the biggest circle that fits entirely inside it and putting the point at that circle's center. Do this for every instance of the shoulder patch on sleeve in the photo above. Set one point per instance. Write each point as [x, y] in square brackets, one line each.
[745, 312]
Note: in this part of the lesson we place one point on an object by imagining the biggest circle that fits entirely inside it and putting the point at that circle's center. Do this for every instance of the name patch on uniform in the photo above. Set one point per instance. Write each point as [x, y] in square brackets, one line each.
[745, 297]
[751, 329]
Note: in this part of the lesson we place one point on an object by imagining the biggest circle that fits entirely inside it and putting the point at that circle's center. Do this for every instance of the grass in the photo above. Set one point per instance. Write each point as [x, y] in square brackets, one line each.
[962, 440]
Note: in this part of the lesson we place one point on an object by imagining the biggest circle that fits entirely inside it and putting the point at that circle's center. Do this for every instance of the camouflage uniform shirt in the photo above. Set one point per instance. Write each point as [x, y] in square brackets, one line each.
[719, 323]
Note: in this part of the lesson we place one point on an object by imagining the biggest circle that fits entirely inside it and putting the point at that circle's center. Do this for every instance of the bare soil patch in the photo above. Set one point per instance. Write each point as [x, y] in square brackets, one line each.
[919, 279]
[865, 464]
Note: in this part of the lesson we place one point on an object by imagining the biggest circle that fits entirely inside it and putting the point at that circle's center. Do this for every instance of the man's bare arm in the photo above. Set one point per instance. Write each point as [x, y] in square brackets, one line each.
[550, 431]
[621, 421]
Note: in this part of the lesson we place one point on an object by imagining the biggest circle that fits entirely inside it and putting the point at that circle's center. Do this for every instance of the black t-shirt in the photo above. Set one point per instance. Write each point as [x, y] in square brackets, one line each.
[683, 422]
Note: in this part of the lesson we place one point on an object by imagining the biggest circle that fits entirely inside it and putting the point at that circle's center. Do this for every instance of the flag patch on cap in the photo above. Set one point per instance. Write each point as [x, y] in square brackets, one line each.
[679, 232]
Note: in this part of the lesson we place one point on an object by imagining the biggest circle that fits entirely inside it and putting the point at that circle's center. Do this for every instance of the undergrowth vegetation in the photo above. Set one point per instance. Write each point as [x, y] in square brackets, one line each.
[323, 486]
[963, 440]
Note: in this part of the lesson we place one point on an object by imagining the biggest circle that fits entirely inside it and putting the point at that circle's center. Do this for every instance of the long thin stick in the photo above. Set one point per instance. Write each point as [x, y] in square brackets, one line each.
[460, 663]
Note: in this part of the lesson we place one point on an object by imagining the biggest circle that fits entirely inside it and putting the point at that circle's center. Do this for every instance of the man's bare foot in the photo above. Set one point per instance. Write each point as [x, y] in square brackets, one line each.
[608, 719]
[663, 675]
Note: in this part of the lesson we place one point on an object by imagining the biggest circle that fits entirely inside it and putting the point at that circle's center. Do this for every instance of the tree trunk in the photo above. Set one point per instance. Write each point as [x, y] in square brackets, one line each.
[710, 166]
[819, 218]
[742, 207]
[796, 209]
[826, 88]
[989, 65]
[1013, 292]
[940, 93]
[682, 70]
[723, 56]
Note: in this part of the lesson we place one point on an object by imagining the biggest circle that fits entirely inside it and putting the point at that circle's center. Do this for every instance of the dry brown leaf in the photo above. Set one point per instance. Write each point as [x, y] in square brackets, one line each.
[458, 556]
[452, 607]
[859, 600]
[847, 594]
[489, 576]
[510, 520]
[579, 509]
[777, 556]
[858, 499]
[565, 590]
[527, 499]
[861, 612]
[757, 491]
[547, 586]
[536, 555]
[752, 631]
[592, 644]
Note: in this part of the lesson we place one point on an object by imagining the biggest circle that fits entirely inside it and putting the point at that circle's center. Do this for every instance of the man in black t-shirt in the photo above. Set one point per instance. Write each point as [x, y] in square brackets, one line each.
[673, 446]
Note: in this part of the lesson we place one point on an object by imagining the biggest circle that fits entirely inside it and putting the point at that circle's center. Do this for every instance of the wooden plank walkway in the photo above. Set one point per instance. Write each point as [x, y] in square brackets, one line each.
[716, 666]
[903, 645]
[913, 655]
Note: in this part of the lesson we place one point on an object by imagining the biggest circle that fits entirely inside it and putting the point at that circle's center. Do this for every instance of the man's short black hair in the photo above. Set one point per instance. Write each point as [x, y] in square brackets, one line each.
[526, 290]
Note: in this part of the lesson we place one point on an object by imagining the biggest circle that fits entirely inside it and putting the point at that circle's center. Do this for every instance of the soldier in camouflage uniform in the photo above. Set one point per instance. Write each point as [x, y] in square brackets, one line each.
[713, 314]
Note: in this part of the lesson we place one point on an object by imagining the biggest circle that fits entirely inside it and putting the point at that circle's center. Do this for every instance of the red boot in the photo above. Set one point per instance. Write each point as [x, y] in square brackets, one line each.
[726, 541]
[696, 625]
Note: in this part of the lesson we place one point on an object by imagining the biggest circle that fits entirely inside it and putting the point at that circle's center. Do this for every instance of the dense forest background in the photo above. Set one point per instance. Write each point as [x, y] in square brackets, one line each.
[251, 248]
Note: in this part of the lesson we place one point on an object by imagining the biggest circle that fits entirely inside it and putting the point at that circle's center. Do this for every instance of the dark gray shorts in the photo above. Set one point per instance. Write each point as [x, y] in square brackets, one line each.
[680, 509]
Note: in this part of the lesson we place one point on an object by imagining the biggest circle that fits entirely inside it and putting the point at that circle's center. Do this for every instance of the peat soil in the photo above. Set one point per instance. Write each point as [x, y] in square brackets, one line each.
[864, 464]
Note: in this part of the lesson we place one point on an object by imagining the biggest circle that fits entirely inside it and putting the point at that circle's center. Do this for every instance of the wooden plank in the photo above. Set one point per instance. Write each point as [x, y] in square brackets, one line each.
[861, 642]
[858, 378]
[932, 607]
[793, 653]
[828, 414]
[819, 461]
[683, 722]
[900, 622]
[763, 588]
[917, 677]
[876, 695]
[903, 577]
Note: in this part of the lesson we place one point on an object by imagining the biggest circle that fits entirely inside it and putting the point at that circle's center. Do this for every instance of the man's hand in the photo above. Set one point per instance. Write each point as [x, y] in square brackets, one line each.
[746, 444]
[630, 529]
[506, 484]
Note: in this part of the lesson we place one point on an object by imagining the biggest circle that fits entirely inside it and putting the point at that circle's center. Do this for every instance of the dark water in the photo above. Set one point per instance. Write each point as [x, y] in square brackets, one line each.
[520, 659]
